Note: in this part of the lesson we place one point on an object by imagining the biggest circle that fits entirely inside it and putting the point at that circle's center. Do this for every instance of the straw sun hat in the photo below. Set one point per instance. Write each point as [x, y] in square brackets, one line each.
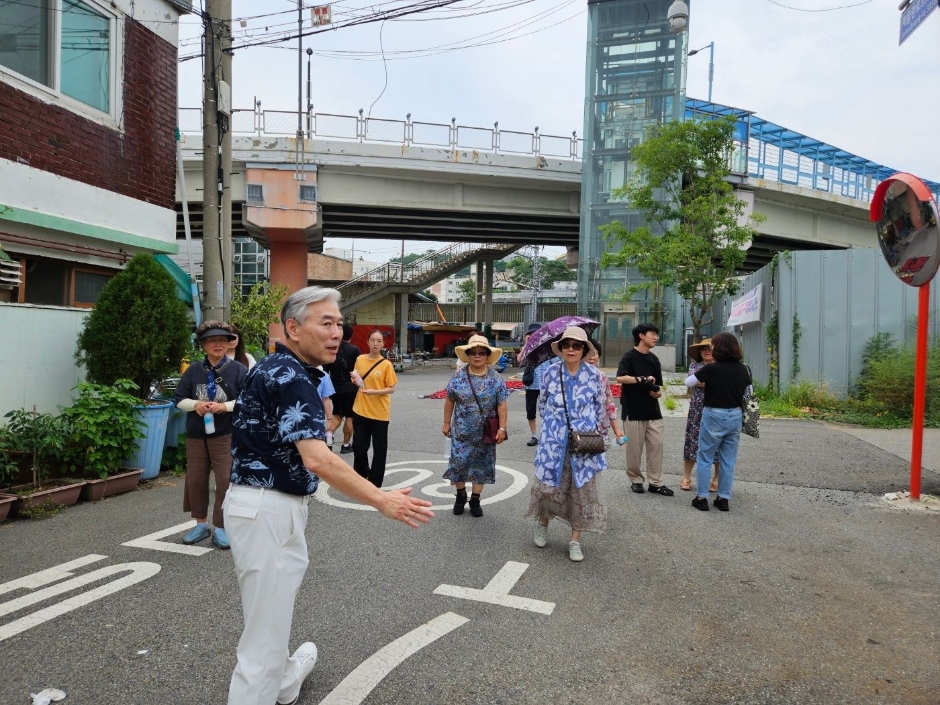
[478, 341]
[695, 351]
[574, 333]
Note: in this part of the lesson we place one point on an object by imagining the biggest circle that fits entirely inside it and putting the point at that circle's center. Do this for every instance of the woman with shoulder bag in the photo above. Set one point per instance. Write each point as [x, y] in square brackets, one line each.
[572, 403]
[725, 381]
[376, 379]
[475, 395]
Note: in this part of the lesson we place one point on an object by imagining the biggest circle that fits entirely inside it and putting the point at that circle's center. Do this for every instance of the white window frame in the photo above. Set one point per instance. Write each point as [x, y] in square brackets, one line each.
[114, 118]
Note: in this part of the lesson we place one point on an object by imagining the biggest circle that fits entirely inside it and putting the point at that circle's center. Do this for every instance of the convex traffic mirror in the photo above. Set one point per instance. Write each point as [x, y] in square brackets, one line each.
[905, 213]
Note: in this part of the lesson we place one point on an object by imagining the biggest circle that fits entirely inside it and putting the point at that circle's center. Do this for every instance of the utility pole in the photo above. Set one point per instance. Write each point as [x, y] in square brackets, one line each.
[536, 280]
[217, 160]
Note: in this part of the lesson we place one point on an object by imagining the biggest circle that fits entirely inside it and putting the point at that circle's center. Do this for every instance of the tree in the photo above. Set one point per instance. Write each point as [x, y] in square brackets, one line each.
[255, 312]
[139, 330]
[681, 188]
[550, 271]
[468, 291]
[430, 294]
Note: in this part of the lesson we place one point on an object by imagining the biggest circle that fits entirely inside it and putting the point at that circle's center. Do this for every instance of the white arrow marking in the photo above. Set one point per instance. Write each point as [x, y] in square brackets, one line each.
[357, 685]
[50, 575]
[497, 590]
[139, 572]
[153, 542]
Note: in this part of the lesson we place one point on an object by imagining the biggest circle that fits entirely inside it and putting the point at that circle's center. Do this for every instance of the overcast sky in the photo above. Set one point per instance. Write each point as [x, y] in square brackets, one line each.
[838, 76]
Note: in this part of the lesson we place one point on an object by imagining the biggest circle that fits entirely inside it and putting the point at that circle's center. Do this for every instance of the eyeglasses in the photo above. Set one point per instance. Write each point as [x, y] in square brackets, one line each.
[573, 344]
[478, 352]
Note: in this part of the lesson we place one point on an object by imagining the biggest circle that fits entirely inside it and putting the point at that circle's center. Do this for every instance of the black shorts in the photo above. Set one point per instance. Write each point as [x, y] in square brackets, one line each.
[531, 403]
[343, 404]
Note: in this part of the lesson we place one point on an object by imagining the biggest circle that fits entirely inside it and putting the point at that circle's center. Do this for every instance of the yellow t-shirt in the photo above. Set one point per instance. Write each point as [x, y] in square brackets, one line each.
[377, 406]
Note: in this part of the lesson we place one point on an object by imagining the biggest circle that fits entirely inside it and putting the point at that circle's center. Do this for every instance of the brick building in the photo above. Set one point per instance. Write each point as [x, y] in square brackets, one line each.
[88, 93]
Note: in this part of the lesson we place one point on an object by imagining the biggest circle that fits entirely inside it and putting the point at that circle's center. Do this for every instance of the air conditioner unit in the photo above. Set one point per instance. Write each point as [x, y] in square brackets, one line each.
[9, 274]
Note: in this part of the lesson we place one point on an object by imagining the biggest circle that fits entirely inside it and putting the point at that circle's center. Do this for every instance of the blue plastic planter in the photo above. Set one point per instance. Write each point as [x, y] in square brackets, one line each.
[153, 419]
[176, 424]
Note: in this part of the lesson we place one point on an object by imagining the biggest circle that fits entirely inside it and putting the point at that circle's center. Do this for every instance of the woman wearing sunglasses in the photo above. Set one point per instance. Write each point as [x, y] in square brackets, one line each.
[474, 393]
[572, 396]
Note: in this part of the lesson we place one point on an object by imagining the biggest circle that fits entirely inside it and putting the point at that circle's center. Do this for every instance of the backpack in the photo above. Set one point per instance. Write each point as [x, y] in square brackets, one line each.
[528, 376]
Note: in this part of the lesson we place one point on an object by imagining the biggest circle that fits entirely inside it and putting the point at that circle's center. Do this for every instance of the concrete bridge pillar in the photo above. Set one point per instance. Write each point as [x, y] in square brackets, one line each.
[281, 213]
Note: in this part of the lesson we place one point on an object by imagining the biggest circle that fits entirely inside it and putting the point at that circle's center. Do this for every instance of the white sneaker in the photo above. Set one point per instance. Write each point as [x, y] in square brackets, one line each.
[574, 551]
[306, 659]
[541, 534]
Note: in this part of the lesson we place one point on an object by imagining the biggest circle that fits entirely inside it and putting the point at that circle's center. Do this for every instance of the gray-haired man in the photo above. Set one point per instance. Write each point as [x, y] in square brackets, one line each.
[280, 454]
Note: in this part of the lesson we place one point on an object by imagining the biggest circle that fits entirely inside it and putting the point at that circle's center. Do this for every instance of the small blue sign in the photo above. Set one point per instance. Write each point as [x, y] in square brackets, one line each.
[914, 15]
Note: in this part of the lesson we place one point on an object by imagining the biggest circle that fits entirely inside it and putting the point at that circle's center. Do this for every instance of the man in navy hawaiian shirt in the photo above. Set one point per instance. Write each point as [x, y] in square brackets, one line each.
[280, 454]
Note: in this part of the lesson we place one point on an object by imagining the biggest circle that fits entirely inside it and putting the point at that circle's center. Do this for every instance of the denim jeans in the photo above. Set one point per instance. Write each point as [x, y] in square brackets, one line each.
[719, 432]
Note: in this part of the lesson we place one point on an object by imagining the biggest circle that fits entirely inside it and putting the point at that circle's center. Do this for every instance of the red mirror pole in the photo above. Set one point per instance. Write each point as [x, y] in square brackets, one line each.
[920, 387]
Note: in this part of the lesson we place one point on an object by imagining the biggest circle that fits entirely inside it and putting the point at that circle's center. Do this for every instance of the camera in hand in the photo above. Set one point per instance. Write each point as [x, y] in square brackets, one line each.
[654, 387]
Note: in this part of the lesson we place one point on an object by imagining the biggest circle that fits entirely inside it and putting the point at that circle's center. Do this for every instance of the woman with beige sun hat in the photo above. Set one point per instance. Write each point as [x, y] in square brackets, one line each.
[700, 355]
[475, 393]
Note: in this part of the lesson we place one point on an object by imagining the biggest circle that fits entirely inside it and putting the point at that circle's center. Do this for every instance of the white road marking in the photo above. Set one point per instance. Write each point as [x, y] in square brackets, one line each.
[497, 590]
[139, 572]
[356, 687]
[50, 575]
[442, 490]
[152, 541]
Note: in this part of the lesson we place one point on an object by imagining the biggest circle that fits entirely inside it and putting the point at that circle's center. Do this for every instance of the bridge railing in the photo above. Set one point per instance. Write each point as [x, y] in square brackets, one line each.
[407, 132]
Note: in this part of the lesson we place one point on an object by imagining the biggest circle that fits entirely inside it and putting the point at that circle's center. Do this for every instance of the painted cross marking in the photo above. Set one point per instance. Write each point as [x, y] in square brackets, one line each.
[497, 590]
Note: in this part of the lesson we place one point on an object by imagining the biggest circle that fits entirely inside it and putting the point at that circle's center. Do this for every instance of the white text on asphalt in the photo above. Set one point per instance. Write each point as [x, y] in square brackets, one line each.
[138, 572]
[497, 590]
[153, 542]
[355, 687]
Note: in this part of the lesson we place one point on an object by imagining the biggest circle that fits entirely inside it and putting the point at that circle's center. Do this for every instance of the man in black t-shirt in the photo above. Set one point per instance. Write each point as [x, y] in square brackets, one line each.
[641, 377]
[345, 388]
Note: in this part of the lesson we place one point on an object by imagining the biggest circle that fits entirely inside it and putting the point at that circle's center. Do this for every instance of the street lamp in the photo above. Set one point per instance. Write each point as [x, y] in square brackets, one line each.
[711, 65]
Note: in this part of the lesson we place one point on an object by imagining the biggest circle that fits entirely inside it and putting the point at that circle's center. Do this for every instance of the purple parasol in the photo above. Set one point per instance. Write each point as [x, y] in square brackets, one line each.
[538, 347]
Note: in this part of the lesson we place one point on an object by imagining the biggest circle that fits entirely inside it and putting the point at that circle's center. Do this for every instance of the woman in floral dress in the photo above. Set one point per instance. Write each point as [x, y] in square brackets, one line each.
[566, 484]
[474, 393]
[701, 355]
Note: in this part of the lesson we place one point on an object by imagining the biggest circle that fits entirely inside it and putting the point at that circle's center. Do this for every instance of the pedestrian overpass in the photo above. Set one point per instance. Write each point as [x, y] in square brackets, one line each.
[489, 190]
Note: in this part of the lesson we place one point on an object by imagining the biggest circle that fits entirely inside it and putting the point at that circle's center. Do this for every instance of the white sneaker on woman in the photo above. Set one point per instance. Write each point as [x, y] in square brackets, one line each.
[541, 534]
[574, 551]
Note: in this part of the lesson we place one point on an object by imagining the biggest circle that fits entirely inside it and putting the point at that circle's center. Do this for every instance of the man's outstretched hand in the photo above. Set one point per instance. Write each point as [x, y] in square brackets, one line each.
[399, 506]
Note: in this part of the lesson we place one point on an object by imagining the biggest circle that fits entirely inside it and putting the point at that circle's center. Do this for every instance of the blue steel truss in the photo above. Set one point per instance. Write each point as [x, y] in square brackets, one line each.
[777, 153]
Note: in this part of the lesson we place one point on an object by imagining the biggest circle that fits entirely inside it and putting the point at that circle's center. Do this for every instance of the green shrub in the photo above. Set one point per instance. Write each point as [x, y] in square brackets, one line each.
[103, 428]
[889, 384]
[39, 436]
[806, 394]
[139, 330]
[253, 313]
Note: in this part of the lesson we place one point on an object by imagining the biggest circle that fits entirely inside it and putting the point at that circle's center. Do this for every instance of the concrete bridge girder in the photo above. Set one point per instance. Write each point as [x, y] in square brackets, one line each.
[811, 216]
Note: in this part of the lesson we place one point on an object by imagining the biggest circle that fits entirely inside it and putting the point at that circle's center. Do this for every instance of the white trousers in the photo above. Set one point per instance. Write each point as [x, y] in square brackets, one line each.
[266, 530]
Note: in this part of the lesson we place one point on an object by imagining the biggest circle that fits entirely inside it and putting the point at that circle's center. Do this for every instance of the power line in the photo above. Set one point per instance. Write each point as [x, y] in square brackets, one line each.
[822, 9]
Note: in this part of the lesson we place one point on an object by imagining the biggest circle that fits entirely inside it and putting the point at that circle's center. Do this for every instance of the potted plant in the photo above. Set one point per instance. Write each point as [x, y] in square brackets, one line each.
[40, 438]
[139, 330]
[103, 428]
